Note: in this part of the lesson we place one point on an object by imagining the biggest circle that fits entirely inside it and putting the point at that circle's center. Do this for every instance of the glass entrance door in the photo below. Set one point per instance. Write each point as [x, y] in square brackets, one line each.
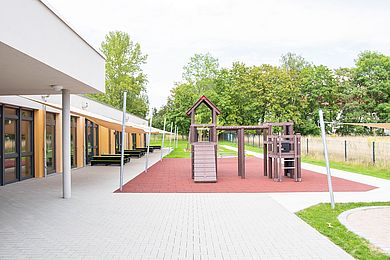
[17, 146]
[50, 143]
[91, 140]
[73, 141]
[11, 153]
[134, 137]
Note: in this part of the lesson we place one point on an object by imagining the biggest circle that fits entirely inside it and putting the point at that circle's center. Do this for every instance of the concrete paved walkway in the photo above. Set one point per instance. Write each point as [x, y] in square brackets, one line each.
[295, 201]
[97, 223]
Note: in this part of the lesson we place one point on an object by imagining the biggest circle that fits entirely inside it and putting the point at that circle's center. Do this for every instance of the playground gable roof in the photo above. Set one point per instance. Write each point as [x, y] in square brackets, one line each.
[203, 99]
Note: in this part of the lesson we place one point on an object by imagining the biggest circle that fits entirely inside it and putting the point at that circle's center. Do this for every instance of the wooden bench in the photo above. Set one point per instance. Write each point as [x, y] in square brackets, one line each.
[134, 153]
[105, 161]
[155, 147]
[144, 149]
[126, 157]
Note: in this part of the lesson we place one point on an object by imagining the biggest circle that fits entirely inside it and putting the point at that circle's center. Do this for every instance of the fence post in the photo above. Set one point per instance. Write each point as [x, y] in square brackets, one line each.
[253, 140]
[373, 152]
[307, 146]
[345, 150]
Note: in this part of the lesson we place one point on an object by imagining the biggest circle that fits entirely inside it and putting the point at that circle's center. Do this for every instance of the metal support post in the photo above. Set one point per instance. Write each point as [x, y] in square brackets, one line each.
[323, 134]
[123, 141]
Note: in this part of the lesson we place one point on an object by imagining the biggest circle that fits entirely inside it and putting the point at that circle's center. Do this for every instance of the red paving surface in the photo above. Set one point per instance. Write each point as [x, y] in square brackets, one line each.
[174, 175]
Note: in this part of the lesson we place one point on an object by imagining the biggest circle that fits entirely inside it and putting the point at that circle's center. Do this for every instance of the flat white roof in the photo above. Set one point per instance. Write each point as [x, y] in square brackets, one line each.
[39, 49]
[67, 23]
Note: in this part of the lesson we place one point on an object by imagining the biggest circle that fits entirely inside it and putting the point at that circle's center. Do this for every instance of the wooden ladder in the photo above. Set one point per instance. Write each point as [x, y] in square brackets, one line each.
[205, 168]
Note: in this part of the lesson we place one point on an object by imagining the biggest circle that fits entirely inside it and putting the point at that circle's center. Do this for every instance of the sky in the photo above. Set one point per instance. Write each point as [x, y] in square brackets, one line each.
[328, 32]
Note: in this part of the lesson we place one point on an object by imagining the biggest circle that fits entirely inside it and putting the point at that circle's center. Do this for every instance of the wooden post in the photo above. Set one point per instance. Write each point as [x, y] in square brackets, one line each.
[241, 153]
[265, 151]
[213, 129]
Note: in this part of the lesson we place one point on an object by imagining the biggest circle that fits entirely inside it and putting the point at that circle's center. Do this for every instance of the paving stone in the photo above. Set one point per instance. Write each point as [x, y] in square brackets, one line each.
[100, 224]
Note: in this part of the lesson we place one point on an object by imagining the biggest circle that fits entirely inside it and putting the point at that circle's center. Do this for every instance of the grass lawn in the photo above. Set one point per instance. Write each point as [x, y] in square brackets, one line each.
[370, 170]
[182, 152]
[248, 147]
[324, 219]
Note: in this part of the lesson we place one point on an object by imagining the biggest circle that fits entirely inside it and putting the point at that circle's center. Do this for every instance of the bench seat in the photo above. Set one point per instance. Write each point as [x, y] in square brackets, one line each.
[135, 153]
[105, 162]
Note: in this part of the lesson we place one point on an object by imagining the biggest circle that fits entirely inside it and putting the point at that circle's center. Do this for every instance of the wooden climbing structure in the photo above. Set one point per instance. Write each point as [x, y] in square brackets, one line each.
[204, 151]
[281, 147]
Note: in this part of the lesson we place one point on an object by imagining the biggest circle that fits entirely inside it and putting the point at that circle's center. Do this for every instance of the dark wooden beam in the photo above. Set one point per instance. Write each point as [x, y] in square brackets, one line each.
[265, 151]
[241, 153]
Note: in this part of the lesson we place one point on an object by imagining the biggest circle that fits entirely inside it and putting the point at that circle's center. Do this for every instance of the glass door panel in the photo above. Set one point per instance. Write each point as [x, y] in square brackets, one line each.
[26, 166]
[73, 138]
[10, 152]
[50, 143]
[26, 136]
[134, 137]
[10, 136]
[26, 150]
[10, 170]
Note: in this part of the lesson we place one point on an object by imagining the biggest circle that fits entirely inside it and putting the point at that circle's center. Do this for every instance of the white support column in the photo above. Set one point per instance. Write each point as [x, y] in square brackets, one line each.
[163, 139]
[148, 143]
[174, 137]
[123, 141]
[170, 137]
[66, 174]
[177, 136]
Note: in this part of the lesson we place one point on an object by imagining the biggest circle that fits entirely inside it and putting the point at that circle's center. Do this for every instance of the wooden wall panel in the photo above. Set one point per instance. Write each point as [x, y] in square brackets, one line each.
[58, 143]
[103, 140]
[39, 137]
[112, 145]
[130, 141]
[80, 141]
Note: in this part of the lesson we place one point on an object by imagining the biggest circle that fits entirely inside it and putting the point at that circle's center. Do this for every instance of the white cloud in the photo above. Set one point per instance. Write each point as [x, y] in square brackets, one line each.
[326, 32]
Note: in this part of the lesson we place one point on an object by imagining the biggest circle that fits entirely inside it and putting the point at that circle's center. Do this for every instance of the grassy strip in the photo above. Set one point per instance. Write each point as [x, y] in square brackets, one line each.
[248, 147]
[352, 167]
[324, 219]
[374, 171]
[182, 152]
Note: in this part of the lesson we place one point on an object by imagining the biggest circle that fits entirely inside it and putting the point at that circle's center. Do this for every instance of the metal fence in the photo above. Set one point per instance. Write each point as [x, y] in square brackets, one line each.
[364, 149]
[368, 150]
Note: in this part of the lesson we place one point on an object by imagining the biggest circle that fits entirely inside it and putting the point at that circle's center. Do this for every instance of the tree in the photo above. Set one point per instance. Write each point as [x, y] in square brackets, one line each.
[294, 62]
[199, 75]
[293, 91]
[124, 61]
[200, 72]
[372, 77]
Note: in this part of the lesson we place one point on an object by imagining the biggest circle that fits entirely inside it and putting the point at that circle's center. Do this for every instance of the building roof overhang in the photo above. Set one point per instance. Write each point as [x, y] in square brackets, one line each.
[38, 50]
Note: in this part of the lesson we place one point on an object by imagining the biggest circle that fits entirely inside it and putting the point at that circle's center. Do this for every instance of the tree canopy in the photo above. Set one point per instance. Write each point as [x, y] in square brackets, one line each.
[293, 91]
[124, 61]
